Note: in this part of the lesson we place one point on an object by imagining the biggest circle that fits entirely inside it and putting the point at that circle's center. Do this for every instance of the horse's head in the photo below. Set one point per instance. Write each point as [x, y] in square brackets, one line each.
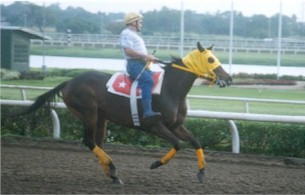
[205, 64]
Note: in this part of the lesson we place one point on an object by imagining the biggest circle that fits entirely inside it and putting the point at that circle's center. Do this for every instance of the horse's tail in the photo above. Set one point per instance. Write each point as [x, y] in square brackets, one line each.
[43, 100]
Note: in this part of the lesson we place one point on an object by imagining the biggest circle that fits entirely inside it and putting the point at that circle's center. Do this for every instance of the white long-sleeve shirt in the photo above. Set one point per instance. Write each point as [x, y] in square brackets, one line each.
[131, 39]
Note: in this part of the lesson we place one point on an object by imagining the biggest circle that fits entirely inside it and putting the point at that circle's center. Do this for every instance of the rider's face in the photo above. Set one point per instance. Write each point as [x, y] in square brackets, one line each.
[139, 25]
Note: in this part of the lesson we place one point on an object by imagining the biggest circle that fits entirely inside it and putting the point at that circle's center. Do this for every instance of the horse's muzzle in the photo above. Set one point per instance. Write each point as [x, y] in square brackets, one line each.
[224, 82]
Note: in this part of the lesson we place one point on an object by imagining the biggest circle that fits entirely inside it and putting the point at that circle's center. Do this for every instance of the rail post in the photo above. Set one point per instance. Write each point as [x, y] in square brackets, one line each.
[56, 124]
[235, 137]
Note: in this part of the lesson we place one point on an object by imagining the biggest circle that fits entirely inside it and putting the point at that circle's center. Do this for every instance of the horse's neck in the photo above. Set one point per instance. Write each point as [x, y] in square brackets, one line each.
[178, 82]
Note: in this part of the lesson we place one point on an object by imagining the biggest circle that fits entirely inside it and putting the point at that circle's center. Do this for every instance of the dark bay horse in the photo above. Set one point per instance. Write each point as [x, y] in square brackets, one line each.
[86, 96]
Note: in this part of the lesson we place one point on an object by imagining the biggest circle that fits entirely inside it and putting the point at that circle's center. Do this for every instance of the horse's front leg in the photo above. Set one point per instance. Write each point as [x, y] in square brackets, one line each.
[182, 133]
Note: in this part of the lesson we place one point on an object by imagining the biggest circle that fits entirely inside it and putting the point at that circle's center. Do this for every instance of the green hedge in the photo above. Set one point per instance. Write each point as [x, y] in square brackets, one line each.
[243, 75]
[277, 139]
[272, 138]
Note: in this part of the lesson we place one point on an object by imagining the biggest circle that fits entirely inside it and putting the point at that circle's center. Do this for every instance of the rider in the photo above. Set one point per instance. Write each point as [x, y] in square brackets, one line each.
[135, 53]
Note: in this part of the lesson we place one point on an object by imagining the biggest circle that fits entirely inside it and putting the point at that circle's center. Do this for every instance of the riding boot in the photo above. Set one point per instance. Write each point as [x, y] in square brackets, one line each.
[147, 111]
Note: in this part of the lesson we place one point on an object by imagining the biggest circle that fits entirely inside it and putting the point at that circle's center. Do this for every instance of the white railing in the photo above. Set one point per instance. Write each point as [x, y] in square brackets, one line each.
[295, 46]
[246, 101]
[229, 116]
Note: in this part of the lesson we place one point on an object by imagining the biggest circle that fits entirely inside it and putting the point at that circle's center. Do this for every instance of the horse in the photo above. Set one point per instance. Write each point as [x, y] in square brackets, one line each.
[86, 96]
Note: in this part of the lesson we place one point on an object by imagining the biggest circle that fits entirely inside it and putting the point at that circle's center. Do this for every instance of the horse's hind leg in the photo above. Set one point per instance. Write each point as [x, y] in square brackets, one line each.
[100, 133]
[182, 133]
[161, 131]
[107, 164]
[89, 140]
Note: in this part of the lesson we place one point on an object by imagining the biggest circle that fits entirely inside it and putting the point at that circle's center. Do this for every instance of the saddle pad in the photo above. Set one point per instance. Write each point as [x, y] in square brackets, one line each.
[120, 84]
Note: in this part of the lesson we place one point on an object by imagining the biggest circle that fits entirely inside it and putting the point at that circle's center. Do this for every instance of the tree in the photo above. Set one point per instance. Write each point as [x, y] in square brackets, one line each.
[257, 26]
[163, 22]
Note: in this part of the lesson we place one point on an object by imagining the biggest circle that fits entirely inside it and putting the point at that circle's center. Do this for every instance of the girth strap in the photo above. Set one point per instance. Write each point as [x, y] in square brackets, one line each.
[133, 103]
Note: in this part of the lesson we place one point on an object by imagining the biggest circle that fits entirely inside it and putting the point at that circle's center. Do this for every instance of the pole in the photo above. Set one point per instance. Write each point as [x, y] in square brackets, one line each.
[279, 43]
[231, 38]
[44, 67]
[102, 21]
[181, 31]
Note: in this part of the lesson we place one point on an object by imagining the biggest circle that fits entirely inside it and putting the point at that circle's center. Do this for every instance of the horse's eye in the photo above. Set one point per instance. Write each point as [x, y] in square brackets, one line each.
[211, 60]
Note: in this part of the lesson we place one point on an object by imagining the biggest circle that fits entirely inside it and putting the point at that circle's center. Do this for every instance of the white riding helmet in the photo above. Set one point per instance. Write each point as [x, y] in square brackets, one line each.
[132, 16]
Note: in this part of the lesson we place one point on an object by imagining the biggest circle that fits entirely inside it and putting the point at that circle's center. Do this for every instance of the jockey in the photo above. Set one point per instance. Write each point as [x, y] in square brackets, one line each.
[135, 53]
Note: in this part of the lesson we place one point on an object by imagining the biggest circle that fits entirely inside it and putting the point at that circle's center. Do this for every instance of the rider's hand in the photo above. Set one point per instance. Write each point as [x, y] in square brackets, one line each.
[152, 58]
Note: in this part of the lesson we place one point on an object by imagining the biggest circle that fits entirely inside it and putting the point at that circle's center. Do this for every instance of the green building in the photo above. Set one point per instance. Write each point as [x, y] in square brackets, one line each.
[15, 47]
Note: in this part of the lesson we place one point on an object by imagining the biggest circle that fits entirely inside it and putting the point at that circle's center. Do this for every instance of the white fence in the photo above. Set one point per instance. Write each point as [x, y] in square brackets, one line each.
[229, 116]
[293, 46]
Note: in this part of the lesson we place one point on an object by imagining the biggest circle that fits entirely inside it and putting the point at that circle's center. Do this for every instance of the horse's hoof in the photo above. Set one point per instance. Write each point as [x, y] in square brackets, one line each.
[200, 175]
[155, 164]
[117, 181]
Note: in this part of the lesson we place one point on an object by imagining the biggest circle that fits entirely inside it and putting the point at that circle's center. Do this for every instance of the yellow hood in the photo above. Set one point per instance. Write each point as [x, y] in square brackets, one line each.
[201, 64]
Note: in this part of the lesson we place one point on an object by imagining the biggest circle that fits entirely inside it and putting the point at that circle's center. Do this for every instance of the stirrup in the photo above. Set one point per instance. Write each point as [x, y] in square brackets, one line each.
[151, 114]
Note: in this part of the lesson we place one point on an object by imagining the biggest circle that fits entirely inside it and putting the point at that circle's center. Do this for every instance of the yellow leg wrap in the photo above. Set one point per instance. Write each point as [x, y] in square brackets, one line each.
[104, 159]
[168, 156]
[200, 156]
[102, 155]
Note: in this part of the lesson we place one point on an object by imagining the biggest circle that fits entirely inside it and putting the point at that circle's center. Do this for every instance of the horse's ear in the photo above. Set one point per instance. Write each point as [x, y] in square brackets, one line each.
[211, 47]
[200, 48]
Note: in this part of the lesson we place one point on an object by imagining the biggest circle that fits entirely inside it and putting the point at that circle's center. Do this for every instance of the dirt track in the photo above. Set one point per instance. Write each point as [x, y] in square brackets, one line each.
[57, 167]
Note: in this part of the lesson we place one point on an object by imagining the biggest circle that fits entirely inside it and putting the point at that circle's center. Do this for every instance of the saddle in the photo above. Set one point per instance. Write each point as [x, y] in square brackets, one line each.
[120, 84]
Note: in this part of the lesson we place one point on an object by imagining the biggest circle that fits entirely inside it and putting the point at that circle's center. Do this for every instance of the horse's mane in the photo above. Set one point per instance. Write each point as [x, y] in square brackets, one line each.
[175, 60]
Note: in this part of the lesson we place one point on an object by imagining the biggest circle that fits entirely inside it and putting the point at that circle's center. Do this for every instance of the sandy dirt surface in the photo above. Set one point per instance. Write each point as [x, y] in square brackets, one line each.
[45, 166]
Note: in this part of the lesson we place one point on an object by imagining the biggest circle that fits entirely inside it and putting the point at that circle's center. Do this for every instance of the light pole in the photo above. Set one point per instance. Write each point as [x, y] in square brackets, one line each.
[231, 37]
[181, 31]
[44, 66]
[279, 43]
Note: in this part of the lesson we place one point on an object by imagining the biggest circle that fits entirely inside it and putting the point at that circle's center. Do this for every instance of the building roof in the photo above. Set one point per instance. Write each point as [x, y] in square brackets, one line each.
[31, 34]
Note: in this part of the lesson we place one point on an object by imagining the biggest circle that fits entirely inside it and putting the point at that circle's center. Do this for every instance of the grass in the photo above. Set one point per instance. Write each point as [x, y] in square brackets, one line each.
[47, 82]
[202, 104]
[78, 52]
[264, 59]
[14, 94]
[254, 107]
[249, 93]
[165, 54]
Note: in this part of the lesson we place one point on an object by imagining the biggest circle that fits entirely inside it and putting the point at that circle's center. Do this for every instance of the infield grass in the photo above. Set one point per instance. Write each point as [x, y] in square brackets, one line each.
[254, 107]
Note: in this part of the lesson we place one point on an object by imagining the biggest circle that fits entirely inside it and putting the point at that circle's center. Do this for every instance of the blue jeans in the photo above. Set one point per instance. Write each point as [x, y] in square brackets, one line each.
[134, 68]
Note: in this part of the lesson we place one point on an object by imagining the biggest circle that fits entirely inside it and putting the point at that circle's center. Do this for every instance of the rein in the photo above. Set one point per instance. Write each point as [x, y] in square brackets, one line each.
[211, 76]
